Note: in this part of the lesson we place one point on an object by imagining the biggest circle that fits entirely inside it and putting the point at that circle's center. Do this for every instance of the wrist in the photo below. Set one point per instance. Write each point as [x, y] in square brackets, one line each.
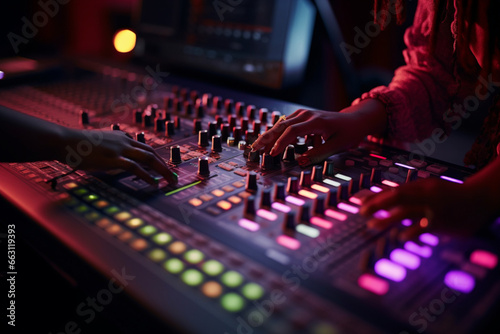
[371, 116]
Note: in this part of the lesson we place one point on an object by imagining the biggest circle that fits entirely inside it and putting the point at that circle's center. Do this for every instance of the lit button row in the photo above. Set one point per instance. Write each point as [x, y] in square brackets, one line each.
[217, 193]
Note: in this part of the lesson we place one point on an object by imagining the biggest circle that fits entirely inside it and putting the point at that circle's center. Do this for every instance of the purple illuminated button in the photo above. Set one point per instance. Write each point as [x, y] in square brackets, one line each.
[447, 178]
[460, 281]
[404, 258]
[429, 239]
[281, 207]
[390, 270]
[348, 208]
[249, 225]
[423, 251]
[381, 214]
[406, 222]
[484, 258]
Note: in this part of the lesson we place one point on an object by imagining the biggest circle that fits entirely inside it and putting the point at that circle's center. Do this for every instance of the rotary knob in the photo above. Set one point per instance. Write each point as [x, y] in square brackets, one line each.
[203, 168]
[175, 154]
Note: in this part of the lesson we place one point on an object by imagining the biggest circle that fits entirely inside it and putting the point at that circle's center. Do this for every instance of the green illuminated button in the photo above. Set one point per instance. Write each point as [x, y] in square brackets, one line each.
[147, 230]
[232, 279]
[90, 197]
[192, 277]
[81, 191]
[162, 238]
[157, 255]
[82, 208]
[212, 267]
[92, 216]
[252, 291]
[194, 256]
[174, 266]
[232, 302]
[112, 209]
[71, 201]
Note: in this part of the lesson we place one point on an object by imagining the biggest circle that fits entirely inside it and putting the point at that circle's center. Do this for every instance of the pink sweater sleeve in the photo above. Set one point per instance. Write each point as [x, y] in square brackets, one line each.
[421, 91]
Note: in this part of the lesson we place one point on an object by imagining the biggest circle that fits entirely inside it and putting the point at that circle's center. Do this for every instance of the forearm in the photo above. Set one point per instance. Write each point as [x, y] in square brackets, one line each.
[27, 138]
[371, 115]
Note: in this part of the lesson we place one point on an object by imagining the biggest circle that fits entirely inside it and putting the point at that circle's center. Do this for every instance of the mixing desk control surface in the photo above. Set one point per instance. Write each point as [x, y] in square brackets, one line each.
[248, 243]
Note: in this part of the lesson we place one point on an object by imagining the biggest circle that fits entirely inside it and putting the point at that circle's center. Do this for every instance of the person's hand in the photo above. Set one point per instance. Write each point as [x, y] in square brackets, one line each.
[339, 130]
[107, 150]
[448, 206]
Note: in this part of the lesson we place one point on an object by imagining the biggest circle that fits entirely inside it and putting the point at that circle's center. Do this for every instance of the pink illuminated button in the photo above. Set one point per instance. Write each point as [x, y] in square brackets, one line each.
[406, 222]
[271, 216]
[335, 215]
[355, 200]
[381, 214]
[429, 239]
[390, 270]
[484, 258]
[281, 207]
[423, 251]
[404, 258]
[390, 183]
[288, 242]
[373, 284]
[447, 178]
[295, 200]
[348, 208]
[249, 225]
[321, 223]
[460, 281]
[377, 156]
[376, 189]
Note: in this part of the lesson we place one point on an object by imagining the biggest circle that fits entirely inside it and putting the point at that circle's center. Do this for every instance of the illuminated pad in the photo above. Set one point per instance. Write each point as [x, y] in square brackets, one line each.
[288, 242]
[390, 270]
[373, 284]
[460, 281]
[405, 258]
[484, 259]
[248, 224]
[429, 239]
[335, 215]
[423, 251]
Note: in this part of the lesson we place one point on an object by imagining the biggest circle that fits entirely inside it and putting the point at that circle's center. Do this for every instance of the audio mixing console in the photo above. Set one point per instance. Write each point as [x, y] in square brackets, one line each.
[247, 243]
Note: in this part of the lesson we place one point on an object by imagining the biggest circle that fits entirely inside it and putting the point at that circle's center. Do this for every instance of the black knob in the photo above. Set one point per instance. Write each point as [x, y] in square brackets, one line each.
[170, 128]
[167, 116]
[194, 95]
[240, 109]
[353, 186]
[412, 175]
[275, 116]
[253, 156]
[237, 133]
[140, 137]
[177, 122]
[175, 90]
[203, 138]
[138, 116]
[207, 100]
[175, 154]
[231, 119]
[196, 126]
[212, 129]
[251, 112]
[279, 192]
[168, 102]
[177, 105]
[84, 117]
[292, 186]
[289, 155]
[289, 223]
[200, 113]
[317, 174]
[251, 182]
[250, 206]
[184, 94]
[147, 119]
[332, 198]
[216, 144]
[115, 126]
[305, 179]
[228, 106]
[267, 162]
[244, 124]
[364, 181]
[305, 214]
[256, 127]
[263, 115]
[300, 148]
[376, 176]
[188, 108]
[265, 198]
[328, 168]
[224, 131]
[343, 192]
[250, 137]
[203, 168]
[219, 120]
[319, 205]
[217, 103]
[159, 124]
[152, 108]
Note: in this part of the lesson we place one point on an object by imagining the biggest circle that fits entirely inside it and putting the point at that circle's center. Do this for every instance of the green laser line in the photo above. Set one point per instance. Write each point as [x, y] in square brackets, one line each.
[182, 188]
